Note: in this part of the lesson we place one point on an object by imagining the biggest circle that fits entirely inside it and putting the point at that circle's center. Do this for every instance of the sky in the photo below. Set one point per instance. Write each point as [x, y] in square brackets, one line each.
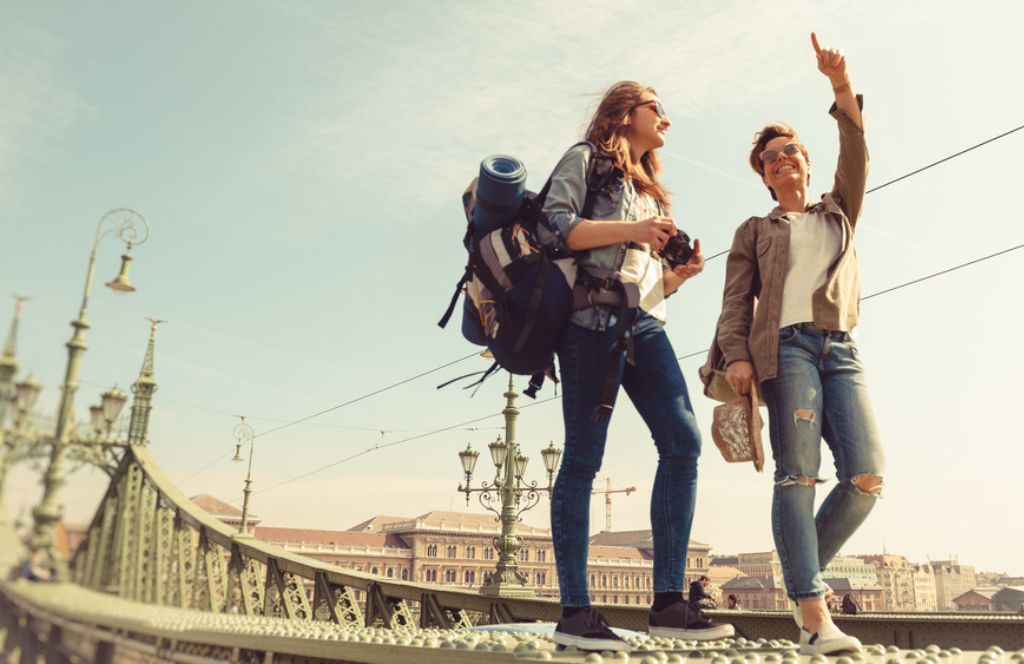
[301, 165]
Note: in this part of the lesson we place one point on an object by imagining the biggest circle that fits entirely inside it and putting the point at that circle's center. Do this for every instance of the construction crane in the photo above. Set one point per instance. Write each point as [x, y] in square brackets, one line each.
[608, 491]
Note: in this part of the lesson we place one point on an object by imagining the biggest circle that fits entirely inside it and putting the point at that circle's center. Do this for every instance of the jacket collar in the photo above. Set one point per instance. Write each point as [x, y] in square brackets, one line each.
[826, 205]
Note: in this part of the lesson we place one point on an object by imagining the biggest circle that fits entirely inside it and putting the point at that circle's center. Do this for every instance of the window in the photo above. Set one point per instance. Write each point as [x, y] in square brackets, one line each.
[615, 599]
[450, 576]
[488, 553]
[593, 581]
[375, 570]
[391, 573]
[405, 574]
[432, 551]
[647, 582]
[524, 555]
[469, 577]
[471, 552]
[604, 582]
[431, 575]
[449, 551]
[542, 555]
[689, 561]
[636, 581]
[541, 579]
[615, 581]
[700, 563]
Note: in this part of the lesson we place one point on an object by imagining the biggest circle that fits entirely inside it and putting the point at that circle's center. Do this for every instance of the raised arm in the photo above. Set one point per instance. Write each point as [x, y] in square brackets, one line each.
[852, 169]
[832, 63]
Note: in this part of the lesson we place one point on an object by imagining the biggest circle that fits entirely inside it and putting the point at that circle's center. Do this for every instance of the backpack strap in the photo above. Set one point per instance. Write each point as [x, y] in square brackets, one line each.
[624, 344]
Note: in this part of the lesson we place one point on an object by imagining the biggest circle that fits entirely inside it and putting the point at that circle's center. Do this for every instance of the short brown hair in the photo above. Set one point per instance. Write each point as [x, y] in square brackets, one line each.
[761, 139]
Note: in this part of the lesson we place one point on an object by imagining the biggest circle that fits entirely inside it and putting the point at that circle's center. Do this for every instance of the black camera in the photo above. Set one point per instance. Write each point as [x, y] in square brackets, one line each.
[677, 251]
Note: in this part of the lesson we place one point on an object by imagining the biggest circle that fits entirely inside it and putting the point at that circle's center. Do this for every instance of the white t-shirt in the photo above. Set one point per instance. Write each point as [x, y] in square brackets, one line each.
[814, 244]
[642, 267]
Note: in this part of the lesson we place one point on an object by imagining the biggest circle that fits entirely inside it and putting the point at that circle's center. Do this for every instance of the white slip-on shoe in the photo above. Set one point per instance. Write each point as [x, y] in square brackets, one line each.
[828, 640]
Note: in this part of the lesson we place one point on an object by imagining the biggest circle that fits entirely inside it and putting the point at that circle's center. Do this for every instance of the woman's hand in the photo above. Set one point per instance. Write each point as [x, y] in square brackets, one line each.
[740, 376]
[831, 63]
[678, 275]
[654, 231]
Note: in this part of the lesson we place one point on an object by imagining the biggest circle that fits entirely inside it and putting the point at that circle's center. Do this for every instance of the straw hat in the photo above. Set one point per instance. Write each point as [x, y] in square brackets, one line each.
[736, 429]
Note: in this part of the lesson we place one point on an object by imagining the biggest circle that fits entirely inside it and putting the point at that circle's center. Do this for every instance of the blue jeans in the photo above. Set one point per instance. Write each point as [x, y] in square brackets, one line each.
[819, 393]
[656, 387]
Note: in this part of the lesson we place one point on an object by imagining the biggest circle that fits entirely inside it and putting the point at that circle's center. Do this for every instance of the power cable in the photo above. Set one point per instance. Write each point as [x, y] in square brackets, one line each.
[334, 408]
[915, 172]
[721, 253]
[374, 448]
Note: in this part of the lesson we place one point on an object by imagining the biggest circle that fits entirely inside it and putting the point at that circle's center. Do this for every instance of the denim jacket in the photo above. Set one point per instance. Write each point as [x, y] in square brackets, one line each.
[619, 200]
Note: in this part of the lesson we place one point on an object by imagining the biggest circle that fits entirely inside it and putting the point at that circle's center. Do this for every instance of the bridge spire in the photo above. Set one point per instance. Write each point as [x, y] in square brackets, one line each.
[143, 389]
[8, 361]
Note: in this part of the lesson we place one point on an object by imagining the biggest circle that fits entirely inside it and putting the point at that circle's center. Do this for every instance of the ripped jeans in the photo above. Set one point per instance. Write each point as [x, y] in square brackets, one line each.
[819, 392]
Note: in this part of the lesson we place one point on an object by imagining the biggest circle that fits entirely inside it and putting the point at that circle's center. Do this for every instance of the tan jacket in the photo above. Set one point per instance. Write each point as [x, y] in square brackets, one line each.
[748, 327]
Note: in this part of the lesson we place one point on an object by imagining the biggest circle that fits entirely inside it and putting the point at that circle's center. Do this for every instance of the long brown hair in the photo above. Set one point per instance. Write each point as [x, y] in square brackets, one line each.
[607, 131]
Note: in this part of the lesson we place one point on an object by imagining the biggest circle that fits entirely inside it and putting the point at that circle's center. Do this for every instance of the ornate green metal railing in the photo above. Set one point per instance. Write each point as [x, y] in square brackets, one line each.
[149, 543]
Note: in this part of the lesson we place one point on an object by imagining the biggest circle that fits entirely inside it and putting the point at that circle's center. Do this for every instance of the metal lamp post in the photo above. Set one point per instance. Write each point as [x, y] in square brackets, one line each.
[508, 496]
[244, 434]
[24, 398]
[132, 228]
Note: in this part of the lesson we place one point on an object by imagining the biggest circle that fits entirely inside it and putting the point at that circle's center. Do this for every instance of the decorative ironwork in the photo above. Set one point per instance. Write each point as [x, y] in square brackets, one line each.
[508, 496]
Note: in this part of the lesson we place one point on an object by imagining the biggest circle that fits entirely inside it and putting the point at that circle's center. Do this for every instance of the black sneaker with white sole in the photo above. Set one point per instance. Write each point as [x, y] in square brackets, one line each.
[679, 620]
[587, 630]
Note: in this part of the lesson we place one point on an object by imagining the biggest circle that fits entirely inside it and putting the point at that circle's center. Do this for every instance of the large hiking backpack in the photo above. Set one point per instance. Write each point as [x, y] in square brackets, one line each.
[520, 277]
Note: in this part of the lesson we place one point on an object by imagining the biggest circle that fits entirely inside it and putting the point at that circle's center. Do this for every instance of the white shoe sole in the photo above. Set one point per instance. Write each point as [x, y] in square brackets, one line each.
[832, 646]
[590, 644]
[722, 631]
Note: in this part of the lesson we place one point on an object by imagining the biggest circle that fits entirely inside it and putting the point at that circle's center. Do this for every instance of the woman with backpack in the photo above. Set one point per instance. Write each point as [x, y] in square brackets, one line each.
[616, 252]
[799, 264]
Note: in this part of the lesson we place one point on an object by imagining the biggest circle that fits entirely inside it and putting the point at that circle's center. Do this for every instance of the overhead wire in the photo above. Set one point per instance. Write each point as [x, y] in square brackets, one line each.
[375, 448]
[687, 356]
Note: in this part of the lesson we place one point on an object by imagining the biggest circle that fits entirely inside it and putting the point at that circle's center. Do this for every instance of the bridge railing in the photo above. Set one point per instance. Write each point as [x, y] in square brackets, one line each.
[149, 543]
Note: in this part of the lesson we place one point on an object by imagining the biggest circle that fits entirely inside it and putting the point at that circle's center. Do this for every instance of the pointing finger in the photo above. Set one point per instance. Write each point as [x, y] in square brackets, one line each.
[814, 42]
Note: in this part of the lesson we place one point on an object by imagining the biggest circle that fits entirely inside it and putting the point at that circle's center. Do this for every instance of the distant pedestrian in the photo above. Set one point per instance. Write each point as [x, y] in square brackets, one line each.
[850, 605]
[699, 596]
[734, 603]
[35, 567]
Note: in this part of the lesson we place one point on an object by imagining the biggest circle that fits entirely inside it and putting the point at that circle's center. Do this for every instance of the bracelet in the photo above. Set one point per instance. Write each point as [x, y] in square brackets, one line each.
[842, 87]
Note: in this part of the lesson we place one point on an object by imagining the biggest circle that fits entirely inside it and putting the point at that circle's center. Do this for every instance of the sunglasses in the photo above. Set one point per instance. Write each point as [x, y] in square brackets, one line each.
[656, 106]
[769, 156]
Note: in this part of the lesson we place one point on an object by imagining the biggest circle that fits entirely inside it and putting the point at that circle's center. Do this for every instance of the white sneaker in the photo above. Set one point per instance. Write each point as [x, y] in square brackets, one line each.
[828, 640]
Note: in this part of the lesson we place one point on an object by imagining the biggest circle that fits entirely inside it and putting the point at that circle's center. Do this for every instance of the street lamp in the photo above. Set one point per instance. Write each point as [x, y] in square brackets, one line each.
[244, 434]
[113, 402]
[133, 229]
[25, 394]
[508, 496]
[97, 420]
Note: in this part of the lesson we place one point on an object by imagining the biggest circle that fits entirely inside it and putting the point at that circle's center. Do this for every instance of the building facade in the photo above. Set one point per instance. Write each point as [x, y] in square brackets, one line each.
[457, 549]
[852, 568]
[925, 598]
[761, 565]
[896, 578]
[951, 580]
